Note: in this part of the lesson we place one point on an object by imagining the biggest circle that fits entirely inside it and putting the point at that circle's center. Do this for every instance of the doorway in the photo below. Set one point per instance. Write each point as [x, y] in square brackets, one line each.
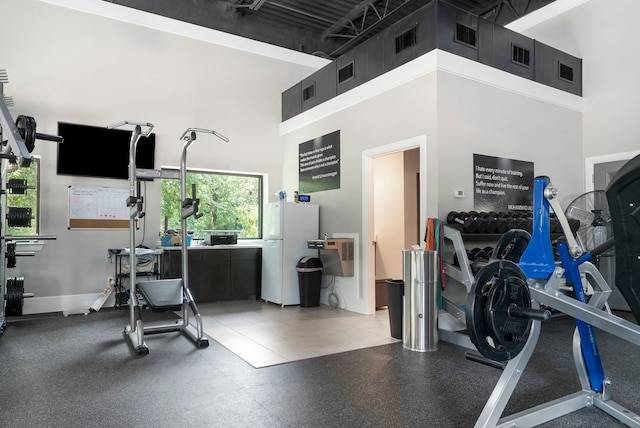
[393, 186]
[395, 217]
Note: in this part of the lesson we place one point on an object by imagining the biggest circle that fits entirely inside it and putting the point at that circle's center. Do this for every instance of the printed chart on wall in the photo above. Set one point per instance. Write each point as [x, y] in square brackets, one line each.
[502, 184]
[98, 208]
[319, 163]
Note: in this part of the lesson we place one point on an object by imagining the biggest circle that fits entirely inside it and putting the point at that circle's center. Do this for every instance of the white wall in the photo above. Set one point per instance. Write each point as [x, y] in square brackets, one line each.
[477, 118]
[601, 33]
[67, 65]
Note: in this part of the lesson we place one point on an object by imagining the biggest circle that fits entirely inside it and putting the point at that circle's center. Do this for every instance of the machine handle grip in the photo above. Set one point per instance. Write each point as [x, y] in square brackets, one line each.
[535, 314]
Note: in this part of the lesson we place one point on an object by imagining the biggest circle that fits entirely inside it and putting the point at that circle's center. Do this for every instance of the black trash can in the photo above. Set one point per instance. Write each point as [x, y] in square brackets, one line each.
[309, 281]
[395, 293]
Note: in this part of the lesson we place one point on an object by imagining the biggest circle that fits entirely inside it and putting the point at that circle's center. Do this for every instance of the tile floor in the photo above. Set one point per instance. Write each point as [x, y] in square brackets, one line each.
[265, 334]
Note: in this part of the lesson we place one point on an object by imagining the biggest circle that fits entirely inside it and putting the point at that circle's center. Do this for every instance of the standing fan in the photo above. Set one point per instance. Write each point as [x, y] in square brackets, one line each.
[592, 209]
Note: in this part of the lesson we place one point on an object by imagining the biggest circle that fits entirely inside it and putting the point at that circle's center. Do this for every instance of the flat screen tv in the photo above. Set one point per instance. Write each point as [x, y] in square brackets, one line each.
[94, 151]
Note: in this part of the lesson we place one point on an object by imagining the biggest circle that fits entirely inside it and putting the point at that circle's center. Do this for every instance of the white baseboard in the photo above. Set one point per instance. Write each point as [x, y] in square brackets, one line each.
[69, 303]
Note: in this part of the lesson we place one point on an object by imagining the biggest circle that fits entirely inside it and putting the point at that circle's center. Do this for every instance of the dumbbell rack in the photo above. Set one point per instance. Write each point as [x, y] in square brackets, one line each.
[489, 226]
[458, 281]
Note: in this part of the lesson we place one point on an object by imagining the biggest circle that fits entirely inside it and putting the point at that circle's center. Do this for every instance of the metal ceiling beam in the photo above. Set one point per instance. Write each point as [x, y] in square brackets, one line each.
[496, 7]
[358, 12]
[258, 3]
[253, 6]
[370, 29]
[292, 9]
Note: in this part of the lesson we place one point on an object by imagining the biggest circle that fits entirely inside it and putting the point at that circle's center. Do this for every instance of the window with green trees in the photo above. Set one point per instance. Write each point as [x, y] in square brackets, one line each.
[229, 203]
[28, 199]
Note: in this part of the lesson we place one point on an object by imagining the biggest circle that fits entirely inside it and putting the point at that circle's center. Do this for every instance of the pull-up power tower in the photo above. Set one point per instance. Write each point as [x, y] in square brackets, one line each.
[163, 294]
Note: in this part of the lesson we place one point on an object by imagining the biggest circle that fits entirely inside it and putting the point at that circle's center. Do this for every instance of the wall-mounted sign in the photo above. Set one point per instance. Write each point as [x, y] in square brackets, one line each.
[319, 163]
[502, 184]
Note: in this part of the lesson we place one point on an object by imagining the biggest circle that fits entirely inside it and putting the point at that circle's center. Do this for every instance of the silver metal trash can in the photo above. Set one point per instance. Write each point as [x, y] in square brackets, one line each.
[420, 302]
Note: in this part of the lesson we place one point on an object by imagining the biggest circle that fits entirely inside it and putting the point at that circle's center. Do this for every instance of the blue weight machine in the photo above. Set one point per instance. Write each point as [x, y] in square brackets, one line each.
[508, 328]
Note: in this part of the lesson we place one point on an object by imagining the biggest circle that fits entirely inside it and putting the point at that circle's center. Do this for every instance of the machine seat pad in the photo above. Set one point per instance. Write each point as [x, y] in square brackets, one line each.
[162, 294]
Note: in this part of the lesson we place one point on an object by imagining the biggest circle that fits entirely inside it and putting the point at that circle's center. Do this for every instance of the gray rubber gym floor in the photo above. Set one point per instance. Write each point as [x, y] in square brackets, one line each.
[79, 371]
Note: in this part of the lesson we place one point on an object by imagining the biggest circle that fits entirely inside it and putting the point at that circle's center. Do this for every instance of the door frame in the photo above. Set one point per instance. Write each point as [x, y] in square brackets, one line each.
[367, 289]
[590, 163]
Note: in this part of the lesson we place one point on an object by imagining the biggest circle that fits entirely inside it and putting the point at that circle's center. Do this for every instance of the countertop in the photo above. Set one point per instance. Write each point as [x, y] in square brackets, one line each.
[253, 244]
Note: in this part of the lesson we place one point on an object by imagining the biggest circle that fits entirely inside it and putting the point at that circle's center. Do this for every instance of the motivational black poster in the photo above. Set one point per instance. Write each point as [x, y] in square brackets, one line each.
[319, 163]
[502, 184]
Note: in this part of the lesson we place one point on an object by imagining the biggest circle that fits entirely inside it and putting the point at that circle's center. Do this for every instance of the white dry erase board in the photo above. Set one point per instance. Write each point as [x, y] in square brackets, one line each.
[98, 208]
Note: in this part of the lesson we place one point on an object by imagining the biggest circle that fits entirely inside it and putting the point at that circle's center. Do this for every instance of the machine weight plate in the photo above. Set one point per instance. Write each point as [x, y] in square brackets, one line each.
[511, 245]
[499, 291]
[27, 128]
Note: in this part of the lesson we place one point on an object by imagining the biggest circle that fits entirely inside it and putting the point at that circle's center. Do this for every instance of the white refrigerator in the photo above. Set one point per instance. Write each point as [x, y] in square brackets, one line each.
[287, 226]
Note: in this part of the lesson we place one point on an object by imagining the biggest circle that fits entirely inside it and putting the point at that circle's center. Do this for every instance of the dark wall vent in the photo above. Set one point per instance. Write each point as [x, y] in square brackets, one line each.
[520, 55]
[406, 40]
[466, 35]
[346, 73]
[309, 93]
[566, 72]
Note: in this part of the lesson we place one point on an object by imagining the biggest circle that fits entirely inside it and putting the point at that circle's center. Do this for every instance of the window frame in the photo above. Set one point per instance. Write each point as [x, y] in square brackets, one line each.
[262, 178]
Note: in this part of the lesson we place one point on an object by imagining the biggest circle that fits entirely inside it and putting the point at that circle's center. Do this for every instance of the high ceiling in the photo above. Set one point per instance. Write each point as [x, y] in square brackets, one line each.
[326, 28]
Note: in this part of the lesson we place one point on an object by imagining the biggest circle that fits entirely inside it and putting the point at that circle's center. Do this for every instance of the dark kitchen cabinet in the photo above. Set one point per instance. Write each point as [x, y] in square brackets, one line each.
[218, 274]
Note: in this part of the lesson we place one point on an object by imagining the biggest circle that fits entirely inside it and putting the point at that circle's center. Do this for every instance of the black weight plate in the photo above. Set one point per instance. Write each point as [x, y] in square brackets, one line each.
[15, 296]
[510, 332]
[495, 334]
[511, 245]
[27, 128]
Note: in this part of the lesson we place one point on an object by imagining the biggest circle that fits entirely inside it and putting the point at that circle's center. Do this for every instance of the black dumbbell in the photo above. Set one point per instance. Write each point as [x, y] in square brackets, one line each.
[523, 223]
[482, 225]
[487, 222]
[512, 223]
[478, 253]
[456, 260]
[501, 225]
[467, 220]
[492, 225]
[478, 264]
